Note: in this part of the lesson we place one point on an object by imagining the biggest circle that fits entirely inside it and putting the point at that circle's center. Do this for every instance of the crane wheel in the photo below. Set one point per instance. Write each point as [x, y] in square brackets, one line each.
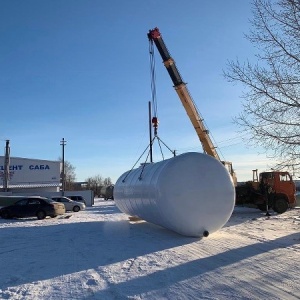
[280, 205]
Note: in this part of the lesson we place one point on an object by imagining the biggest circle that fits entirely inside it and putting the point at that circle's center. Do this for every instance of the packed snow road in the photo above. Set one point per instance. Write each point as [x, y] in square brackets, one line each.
[98, 254]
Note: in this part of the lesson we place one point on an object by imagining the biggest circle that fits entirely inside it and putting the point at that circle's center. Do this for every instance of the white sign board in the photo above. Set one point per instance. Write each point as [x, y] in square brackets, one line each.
[23, 171]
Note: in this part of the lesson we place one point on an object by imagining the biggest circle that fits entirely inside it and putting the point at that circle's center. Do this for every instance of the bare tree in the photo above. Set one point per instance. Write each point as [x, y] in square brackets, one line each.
[70, 175]
[271, 105]
[107, 181]
[95, 184]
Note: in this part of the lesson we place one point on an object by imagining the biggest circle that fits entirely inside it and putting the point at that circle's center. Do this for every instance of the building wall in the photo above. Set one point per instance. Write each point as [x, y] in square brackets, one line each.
[25, 171]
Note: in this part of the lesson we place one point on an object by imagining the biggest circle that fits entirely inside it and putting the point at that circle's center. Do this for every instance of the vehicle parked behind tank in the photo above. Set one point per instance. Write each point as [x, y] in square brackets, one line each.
[107, 192]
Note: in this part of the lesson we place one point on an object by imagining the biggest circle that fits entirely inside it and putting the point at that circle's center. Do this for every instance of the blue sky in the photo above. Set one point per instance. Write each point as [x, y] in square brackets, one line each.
[80, 70]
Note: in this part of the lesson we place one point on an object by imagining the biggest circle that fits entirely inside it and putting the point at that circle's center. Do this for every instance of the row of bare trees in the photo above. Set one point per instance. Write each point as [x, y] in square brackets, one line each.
[92, 183]
[95, 183]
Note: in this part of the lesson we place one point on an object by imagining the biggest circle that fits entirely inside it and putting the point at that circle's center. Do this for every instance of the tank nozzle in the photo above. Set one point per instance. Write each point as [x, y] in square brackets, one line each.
[205, 233]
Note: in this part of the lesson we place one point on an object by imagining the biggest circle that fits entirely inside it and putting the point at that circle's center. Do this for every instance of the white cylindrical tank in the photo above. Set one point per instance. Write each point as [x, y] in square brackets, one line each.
[191, 194]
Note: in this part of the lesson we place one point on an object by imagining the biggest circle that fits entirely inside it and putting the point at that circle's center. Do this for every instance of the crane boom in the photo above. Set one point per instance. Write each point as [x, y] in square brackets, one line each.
[154, 35]
[183, 93]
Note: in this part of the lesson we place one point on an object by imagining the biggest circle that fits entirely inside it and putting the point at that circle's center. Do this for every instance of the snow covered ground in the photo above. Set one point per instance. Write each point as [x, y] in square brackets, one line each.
[98, 254]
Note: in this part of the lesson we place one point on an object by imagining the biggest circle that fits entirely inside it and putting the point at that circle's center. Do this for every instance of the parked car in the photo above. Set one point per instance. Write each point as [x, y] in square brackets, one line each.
[77, 198]
[70, 204]
[33, 206]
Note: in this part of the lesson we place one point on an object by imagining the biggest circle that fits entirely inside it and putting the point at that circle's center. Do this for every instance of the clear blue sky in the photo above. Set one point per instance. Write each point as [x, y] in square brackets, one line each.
[80, 70]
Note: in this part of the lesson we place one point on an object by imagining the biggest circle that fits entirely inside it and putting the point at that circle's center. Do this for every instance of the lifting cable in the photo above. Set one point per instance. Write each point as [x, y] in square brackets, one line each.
[153, 87]
[154, 99]
[145, 163]
[154, 120]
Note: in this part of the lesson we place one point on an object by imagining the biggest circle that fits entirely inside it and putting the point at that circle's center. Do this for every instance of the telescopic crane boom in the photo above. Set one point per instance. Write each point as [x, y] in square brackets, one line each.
[154, 35]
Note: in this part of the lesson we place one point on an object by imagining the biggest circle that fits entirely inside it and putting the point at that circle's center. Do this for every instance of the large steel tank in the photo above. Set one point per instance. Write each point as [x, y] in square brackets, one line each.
[191, 194]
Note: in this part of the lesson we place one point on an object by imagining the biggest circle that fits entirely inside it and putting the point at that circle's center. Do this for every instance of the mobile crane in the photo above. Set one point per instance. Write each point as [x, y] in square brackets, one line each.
[154, 35]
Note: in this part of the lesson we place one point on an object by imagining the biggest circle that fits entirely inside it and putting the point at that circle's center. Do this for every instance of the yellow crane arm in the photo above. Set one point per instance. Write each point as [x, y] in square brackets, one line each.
[154, 35]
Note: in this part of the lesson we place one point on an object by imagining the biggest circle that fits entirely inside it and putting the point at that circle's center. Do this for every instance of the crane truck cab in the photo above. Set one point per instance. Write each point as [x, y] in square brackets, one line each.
[274, 189]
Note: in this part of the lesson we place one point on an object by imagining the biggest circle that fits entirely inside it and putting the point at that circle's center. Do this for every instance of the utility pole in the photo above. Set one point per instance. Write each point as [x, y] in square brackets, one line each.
[6, 167]
[63, 177]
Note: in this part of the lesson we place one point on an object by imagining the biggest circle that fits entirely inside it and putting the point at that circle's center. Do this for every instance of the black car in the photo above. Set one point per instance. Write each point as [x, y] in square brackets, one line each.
[39, 207]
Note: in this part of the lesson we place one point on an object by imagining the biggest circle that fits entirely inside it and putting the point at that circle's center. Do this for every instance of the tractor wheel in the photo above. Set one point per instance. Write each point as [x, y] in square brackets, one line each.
[280, 205]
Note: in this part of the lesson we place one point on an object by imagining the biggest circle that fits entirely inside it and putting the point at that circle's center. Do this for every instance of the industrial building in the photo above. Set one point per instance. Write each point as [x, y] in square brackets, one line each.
[25, 176]
[30, 175]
